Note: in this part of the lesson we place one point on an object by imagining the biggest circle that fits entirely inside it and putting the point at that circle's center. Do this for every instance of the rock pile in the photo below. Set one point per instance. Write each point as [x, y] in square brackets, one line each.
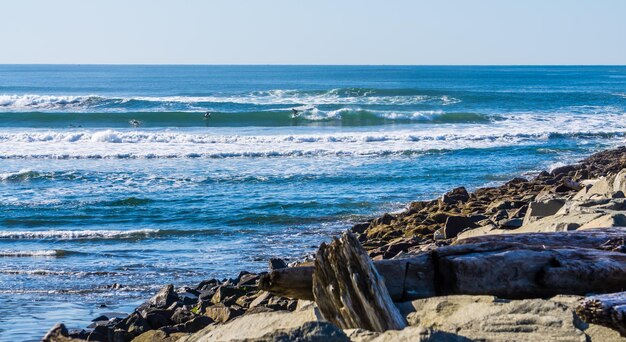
[171, 313]
[494, 209]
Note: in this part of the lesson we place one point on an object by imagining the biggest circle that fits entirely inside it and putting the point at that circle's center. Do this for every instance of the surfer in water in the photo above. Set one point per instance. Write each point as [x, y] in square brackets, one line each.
[134, 122]
[207, 115]
[295, 113]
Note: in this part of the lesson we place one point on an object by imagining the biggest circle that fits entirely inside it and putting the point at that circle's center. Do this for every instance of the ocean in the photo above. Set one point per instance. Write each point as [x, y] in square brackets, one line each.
[113, 182]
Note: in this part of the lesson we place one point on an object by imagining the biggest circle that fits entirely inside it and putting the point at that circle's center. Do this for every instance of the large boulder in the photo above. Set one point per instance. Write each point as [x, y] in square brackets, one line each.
[538, 210]
[456, 224]
[486, 318]
[255, 326]
[58, 333]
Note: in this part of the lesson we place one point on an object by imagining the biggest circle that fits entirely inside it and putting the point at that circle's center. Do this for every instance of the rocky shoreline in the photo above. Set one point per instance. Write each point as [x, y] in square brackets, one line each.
[586, 195]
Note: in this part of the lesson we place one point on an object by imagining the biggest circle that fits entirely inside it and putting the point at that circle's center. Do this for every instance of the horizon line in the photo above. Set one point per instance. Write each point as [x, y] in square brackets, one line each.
[295, 64]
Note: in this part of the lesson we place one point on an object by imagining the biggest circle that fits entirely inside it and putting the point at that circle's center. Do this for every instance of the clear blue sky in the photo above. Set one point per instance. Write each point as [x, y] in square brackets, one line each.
[314, 32]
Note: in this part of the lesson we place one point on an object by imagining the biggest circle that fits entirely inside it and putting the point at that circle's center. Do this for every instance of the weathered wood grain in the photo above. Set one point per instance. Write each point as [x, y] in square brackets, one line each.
[349, 291]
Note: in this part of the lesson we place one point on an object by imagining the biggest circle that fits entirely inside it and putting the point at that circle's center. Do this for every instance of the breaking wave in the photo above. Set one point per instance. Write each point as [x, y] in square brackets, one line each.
[98, 235]
[349, 96]
[37, 253]
[77, 234]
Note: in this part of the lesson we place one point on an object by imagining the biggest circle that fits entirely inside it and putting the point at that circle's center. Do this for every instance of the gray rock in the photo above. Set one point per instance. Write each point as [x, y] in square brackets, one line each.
[162, 300]
[307, 332]
[221, 313]
[537, 210]
[276, 263]
[456, 224]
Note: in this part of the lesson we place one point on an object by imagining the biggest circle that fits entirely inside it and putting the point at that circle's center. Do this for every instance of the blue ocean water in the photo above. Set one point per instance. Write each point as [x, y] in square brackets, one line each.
[113, 175]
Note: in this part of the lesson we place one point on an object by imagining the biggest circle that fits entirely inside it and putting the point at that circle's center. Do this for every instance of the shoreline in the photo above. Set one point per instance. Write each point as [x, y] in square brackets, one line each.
[424, 225]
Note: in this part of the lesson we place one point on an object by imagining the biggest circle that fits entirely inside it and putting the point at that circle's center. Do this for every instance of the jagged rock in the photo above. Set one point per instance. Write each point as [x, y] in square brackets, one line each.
[276, 263]
[512, 223]
[253, 327]
[487, 318]
[261, 299]
[221, 313]
[207, 284]
[563, 170]
[455, 195]
[248, 279]
[58, 333]
[224, 292]
[158, 336]
[360, 228]
[608, 220]
[181, 316]
[197, 323]
[162, 300]
[135, 324]
[456, 224]
[309, 331]
[537, 210]
[158, 318]
[385, 219]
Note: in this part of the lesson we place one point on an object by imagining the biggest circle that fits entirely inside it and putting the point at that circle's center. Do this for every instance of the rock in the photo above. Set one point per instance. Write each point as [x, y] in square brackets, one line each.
[99, 333]
[157, 336]
[158, 318]
[609, 220]
[512, 223]
[487, 318]
[181, 316]
[309, 331]
[572, 185]
[383, 220]
[537, 210]
[197, 323]
[408, 334]
[100, 318]
[162, 300]
[221, 313]
[563, 170]
[223, 292]
[276, 263]
[206, 284]
[248, 279]
[117, 335]
[253, 327]
[360, 228]
[601, 188]
[135, 324]
[456, 224]
[455, 195]
[516, 180]
[58, 333]
[439, 235]
[619, 182]
[261, 299]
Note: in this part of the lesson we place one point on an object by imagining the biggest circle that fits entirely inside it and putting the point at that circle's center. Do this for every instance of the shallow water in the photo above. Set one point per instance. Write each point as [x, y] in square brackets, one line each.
[88, 200]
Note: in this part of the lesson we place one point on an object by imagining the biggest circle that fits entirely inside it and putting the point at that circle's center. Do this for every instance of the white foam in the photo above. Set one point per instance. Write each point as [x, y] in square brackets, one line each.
[75, 234]
[29, 102]
[39, 253]
[515, 129]
[21, 174]
[49, 102]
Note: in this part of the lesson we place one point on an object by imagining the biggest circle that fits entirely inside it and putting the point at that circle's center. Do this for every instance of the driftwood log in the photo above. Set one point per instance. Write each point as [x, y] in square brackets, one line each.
[348, 290]
[608, 310]
[535, 265]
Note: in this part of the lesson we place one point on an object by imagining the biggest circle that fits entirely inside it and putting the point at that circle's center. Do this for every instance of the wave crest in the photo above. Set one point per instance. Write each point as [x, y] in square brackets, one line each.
[350, 96]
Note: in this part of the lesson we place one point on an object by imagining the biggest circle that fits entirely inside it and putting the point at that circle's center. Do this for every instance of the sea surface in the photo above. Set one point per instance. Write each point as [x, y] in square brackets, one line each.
[113, 175]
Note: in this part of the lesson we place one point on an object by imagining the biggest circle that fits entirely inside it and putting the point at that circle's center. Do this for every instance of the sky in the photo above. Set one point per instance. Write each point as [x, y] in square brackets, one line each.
[408, 32]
